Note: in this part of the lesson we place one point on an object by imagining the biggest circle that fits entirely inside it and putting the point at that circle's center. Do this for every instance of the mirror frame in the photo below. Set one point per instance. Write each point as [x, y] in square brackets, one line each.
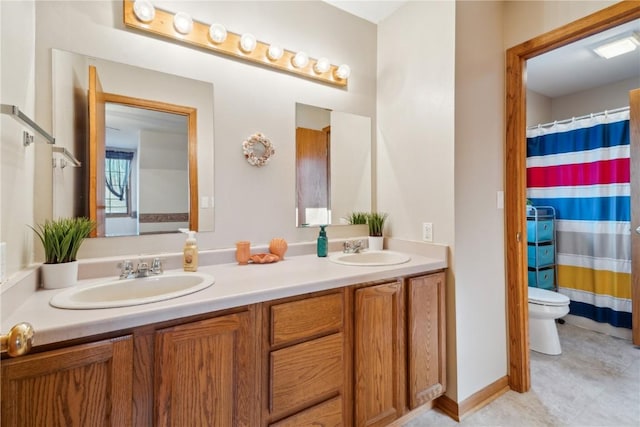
[191, 114]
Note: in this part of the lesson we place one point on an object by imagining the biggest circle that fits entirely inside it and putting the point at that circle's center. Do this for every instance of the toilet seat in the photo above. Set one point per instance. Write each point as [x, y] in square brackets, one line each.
[545, 297]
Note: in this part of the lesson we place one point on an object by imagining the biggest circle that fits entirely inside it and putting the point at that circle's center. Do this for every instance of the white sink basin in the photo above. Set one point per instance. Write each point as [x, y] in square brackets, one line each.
[370, 258]
[123, 293]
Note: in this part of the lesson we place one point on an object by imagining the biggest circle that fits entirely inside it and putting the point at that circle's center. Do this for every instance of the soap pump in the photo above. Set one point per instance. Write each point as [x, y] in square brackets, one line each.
[190, 253]
[323, 243]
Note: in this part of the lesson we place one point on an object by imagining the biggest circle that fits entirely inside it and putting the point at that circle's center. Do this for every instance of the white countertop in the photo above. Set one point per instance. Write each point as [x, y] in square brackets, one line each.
[235, 285]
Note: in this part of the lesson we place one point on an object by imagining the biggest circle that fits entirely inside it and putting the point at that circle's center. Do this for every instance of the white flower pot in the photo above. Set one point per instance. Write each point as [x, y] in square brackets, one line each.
[56, 276]
[376, 243]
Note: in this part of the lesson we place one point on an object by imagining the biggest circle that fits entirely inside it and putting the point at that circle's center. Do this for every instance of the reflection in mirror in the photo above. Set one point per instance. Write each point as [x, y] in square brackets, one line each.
[169, 142]
[333, 165]
[146, 171]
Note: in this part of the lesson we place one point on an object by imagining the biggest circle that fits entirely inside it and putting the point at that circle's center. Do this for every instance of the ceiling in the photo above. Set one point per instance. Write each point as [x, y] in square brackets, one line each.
[575, 67]
[563, 71]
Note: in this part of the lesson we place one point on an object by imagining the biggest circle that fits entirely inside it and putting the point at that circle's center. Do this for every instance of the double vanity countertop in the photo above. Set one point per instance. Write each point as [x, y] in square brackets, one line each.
[235, 285]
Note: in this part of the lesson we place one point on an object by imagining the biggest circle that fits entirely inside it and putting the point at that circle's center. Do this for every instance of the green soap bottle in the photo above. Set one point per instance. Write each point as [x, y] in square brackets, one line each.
[323, 243]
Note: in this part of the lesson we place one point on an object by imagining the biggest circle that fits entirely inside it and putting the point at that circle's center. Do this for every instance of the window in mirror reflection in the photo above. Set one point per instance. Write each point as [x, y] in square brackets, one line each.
[118, 181]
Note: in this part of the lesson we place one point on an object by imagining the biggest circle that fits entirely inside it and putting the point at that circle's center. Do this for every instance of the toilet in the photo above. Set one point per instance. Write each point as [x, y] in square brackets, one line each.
[544, 308]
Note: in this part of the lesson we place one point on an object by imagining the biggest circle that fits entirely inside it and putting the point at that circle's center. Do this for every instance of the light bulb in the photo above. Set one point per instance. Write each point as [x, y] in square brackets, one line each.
[300, 60]
[322, 65]
[182, 23]
[217, 33]
[275, 52]
[144, 10]
[247, 42]
[343, 72]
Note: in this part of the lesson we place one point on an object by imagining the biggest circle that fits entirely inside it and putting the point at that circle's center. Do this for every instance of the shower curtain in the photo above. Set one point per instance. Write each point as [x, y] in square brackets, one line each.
[582, 169]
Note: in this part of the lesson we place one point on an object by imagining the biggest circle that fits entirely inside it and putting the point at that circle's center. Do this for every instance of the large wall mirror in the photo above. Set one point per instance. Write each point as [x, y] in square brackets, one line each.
[333, 165]
[155, 162]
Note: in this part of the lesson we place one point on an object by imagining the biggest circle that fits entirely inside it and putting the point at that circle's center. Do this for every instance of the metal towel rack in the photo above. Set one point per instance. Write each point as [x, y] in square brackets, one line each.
[14, 111]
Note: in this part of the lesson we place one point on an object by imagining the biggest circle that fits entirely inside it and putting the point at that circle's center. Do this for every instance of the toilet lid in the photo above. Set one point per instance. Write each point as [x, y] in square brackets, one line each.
[545, 297]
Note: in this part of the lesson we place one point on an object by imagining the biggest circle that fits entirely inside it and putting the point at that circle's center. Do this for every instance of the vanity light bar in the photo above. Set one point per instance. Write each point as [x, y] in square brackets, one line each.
[162, 24]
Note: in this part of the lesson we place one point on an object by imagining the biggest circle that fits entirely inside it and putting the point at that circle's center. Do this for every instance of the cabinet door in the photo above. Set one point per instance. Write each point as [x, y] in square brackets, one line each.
[84, 385]
[379, 354]
[426, 325]
[206, 373]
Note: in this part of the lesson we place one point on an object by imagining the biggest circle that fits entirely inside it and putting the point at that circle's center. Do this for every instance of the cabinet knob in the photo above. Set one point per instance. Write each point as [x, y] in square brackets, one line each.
[18, 341]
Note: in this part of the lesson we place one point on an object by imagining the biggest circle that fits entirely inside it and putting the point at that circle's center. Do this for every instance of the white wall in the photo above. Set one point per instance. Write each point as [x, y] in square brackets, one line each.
[247, 99]
[415, 142]
[614, 95]
[17, 87]
[538, 108]
[481, 341]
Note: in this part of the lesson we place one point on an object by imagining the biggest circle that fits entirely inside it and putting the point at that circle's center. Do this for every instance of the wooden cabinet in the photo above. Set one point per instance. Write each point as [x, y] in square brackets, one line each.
[426, 358]
[362, 355]
[304, 361]
[379, 354]
[205, 373]
[83, 385]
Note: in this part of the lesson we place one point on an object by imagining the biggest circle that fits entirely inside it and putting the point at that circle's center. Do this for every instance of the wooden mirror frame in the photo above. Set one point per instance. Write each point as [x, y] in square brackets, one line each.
[515, 173]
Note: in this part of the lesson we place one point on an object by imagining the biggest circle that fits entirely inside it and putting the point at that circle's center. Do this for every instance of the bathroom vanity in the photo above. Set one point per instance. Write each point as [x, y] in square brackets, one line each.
[300, 342]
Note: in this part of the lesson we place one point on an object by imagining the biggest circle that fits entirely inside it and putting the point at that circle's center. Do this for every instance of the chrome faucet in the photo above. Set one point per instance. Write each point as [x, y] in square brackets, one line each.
[142, 269]
[352, 246]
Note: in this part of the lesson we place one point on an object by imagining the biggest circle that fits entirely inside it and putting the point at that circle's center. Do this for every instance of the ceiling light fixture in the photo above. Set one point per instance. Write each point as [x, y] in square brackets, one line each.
[618, 47]
[143, 16]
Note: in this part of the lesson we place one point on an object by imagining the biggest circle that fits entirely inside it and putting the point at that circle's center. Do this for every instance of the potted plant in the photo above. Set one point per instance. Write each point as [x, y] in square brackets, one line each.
[355, 218]
[375, 221]
[61, 239]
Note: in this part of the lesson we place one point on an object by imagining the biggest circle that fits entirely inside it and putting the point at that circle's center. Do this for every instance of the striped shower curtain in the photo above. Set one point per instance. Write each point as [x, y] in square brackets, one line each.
[581, 168]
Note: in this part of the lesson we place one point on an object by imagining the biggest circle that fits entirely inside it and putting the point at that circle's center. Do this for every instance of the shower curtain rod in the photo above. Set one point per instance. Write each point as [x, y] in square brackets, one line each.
[602, 113]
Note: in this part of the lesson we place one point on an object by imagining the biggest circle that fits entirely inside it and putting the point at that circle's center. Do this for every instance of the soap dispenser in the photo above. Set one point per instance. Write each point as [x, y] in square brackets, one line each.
[190, 253]
[323, 243]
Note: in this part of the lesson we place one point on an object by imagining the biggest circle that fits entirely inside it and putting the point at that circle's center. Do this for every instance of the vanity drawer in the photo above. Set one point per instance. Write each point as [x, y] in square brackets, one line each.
[297, 320]
[327, 413]
[306, 373]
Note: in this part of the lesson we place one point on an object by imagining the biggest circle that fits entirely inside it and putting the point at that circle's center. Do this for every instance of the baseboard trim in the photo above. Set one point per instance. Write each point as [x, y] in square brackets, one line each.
[459, 411]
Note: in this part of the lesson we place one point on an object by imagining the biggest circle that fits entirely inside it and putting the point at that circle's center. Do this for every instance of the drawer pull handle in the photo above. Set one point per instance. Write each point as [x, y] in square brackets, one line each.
[18, 341]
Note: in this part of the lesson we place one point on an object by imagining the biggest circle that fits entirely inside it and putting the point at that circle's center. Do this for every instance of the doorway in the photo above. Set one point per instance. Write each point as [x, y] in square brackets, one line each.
[515, 186]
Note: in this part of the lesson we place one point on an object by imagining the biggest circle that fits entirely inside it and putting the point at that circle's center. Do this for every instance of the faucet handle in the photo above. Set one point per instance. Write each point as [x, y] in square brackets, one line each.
[126, 268]
[156, 266]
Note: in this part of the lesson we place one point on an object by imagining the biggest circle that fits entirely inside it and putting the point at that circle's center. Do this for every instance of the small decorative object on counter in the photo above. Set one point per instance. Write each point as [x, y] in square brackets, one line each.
[190, 253]
[243, 250]
[61, 239]
[258, 150]
[278, 246]
[375, 221]
[323, 242]
[264, 258]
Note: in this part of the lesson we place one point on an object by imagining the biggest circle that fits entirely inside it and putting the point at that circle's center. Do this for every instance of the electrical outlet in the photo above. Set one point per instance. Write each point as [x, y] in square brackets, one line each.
[427, 231]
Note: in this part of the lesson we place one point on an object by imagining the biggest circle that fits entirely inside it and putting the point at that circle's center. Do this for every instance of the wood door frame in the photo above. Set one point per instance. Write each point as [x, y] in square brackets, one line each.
[515, 173]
